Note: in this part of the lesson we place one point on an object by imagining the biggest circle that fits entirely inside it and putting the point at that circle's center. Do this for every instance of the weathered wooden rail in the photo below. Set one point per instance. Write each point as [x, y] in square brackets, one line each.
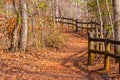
[77, 23]
[107, 53]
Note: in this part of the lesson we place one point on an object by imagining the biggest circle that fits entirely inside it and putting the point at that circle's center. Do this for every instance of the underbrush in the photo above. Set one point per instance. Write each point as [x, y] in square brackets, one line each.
[46, 38]
[55, 40]
[41, 34]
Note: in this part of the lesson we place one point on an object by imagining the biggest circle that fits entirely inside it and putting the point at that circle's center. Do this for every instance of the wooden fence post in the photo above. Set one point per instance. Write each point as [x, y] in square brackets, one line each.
[82, 29]
[90, 46]
[106, 57]
[68, 26]
[62, 25]
[76, 25]
[56, 21]
[101, 48]
[73, 26]
[97, 44]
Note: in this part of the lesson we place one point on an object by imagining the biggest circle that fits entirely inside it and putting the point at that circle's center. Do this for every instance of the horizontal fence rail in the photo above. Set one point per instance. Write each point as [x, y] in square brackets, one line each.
[107, 53]
[77, 23]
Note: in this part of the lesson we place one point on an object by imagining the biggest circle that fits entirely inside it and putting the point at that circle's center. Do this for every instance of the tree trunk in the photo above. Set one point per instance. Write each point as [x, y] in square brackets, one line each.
[34, 34]
[57, 8]
[101, 21]
[54, 13]
[23, 33]
[110, 17]
[116, 11]
[14, 44]
[101, 25]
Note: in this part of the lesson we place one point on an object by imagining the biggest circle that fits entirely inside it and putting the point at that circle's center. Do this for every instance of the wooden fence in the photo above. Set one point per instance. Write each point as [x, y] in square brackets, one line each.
[78, 24]
[93, 32]
[107, 53]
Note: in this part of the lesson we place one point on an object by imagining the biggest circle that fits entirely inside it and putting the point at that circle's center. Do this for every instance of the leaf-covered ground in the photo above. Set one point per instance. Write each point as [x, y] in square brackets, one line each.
[67, 63]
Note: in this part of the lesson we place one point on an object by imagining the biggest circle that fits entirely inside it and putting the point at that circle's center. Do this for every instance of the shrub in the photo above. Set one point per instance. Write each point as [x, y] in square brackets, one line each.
[55, 39]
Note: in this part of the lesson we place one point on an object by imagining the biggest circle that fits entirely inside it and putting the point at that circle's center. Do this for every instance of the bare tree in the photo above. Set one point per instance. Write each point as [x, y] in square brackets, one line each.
[116, 13]
[54, 12]
[23, 33]
[110, 17]
[14, 44]
[101, 21]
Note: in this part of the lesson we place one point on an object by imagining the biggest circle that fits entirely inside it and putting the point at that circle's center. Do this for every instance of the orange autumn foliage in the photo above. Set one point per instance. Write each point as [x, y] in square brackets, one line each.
[11, 23]
[8, 1]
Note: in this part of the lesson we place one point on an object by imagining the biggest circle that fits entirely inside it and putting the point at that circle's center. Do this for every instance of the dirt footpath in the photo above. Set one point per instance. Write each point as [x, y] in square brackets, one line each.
[68, 63]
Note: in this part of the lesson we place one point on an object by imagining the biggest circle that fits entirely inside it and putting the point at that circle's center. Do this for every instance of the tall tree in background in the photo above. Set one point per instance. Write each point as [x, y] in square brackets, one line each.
[110, 16]
[116, 13]
[23, 33]
[101, 21]
[54, 12]
[57, 8]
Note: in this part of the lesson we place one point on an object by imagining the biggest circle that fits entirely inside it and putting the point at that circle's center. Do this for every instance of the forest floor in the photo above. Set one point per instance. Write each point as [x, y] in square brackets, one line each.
[67, 63]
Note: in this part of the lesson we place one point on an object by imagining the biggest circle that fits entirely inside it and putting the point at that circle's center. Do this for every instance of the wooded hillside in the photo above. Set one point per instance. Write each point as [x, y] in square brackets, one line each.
[57, 35]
